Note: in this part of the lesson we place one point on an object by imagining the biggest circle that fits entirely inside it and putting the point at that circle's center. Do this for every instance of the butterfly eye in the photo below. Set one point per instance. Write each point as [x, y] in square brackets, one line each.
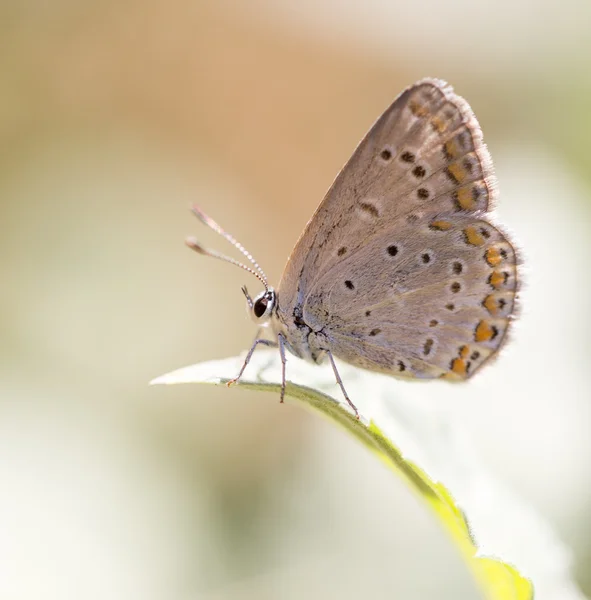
[263, 305]
[260, 306]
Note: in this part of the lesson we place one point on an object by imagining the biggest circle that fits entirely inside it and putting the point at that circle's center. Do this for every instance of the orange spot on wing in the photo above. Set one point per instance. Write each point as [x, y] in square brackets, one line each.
[484, 332]
[457, 171]
[439, 124]
[496, 279]
[417, 109]
[473, 236]
[464, 351]
[441, 225]
[493, 257]
[458, 366]
[451, 149]
[491, 304]
[466, 199]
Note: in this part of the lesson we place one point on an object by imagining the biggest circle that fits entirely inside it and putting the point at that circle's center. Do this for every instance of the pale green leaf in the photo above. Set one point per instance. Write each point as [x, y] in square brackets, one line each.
[494, 532]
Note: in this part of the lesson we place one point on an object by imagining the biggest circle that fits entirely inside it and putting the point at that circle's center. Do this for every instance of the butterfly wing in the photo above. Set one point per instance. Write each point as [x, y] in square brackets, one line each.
[423, 163]
[432, 302]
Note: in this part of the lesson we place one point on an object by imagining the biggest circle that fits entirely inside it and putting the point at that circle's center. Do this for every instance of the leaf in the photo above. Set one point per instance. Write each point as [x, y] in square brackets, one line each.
[438, 447]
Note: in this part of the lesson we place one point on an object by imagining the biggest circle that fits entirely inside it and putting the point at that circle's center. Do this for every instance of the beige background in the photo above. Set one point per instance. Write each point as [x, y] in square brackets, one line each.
[114, 117]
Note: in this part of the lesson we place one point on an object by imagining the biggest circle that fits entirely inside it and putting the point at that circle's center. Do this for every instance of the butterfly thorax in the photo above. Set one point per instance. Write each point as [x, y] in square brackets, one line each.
[300, 339]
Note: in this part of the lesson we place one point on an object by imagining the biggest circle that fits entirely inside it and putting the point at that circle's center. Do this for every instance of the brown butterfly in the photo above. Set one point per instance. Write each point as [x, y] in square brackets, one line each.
[400, 269]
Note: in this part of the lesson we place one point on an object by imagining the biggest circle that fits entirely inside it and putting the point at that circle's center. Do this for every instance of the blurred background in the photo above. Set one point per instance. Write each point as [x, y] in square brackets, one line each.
[114, 117]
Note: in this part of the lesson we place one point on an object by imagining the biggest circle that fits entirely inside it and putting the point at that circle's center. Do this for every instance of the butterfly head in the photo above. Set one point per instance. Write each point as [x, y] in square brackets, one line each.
[262, 306]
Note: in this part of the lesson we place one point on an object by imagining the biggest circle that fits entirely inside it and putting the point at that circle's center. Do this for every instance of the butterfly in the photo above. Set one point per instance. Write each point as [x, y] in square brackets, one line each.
[401, 269]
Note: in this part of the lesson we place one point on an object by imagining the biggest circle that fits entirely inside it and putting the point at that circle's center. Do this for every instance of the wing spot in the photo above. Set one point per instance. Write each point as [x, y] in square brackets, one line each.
[458, 366]
[368, 313]
[449, 150]
[407, 157]
[457, 146]
[457, 268]
[455, 287]
[427, 346]
[386, 154]
[426, 258]
[374, 332]
[433, 323]
[370, 209]
[419, 172]
[464, 199]
[493, 305]
[450, 306]
[342, 251]
[392, 250]
[475, 355]
[417, 109]
[349, 284]
[401, 366]
[498, 279]
[473, 237]
[485, 332]
[423, 193]
[493, 257]
[454, 174]
[478, 192]
[440, 226]
[468, 165]
[438, 124]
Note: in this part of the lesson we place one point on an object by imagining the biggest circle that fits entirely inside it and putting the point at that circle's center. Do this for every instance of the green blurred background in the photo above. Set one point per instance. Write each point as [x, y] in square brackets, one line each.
[115, 117]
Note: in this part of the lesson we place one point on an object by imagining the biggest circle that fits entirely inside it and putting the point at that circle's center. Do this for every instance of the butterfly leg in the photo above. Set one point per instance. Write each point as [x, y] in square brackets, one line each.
[256, 342]
[340, 382]
[283, 361]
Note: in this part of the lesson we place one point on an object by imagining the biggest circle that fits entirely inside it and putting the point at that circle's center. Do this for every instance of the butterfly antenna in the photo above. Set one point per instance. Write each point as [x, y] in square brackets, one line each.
[213, 225]
[197, 247]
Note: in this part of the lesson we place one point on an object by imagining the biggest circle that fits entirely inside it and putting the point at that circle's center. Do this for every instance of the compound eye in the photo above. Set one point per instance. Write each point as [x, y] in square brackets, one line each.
[260, 306]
